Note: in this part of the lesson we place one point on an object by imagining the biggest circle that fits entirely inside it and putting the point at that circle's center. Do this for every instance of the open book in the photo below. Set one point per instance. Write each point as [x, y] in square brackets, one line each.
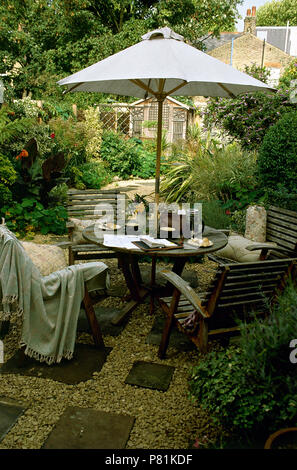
[156, 242]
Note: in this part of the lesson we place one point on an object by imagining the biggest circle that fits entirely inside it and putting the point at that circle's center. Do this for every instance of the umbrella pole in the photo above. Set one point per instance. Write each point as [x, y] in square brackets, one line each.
[159, 148]
[158, 162]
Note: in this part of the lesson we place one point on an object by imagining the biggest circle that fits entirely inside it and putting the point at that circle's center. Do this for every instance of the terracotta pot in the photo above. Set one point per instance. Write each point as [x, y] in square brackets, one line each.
[272, 438]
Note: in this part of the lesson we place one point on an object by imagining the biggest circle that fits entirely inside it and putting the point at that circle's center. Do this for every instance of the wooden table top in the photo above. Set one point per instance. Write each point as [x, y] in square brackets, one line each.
[218, 238]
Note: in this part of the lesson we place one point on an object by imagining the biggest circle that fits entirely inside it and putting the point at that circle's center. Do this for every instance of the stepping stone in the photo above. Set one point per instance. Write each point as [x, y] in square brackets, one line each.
[10, 411]
[189, 276]
[84, 428]
[177, 339]
[86, 360]
[104, 316]
[150, 375]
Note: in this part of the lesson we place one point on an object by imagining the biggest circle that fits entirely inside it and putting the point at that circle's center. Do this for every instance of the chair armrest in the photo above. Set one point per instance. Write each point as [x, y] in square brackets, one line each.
[64, 244]
[262, 246]
[225, 231]
[185, 289]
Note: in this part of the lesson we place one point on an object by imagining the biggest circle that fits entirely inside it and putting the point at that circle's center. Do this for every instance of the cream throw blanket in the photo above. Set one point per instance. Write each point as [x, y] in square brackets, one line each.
[49, 305]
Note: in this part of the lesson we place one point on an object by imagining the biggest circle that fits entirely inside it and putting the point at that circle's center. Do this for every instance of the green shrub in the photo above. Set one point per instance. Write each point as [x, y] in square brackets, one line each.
[127, 157]
[282, 197]
[253, 387]
[121, 155]
[277, 161]
[30, 216]
[91, 175]
[7, 178]
[214, 215]
[207, 171]
[248, 117]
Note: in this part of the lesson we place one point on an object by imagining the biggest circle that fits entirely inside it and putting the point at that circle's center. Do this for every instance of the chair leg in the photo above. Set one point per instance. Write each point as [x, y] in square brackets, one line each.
[165, 336]
[93, 322]
[203, 336]
[71, 259]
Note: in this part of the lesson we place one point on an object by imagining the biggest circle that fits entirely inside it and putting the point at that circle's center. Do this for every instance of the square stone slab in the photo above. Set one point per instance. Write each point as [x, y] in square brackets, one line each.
[86, 360]
[188, 275]
[84, 428]
[150, 375]
[10, 411]
[104, 316]
[177, 339]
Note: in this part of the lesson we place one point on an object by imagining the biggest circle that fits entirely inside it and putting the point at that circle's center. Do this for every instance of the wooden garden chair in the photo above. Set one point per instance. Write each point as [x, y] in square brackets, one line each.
[82, 205]
[237, 291]
[281, 230]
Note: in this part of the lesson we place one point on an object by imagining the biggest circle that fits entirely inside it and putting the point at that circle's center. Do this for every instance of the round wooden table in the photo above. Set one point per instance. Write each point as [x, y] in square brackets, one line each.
[128, 261]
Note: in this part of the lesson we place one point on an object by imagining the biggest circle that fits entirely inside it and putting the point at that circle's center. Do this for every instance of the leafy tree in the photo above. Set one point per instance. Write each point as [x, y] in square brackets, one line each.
[42, 41]
[277, 13]
[289, 74]
[249, 116]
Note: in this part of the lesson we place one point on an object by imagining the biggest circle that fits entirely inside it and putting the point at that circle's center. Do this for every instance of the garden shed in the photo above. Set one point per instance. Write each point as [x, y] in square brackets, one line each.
[177, 117]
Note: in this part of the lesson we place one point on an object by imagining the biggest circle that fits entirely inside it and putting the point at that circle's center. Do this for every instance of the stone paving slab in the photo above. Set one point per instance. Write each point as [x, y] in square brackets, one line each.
[104, 316]
[10, 411]
[189, 276]
[177, 339]
[86, 360]
[150, 375]
[84, 428]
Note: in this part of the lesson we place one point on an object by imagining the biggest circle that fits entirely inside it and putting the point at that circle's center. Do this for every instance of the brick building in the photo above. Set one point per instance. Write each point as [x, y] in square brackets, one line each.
[249, 47]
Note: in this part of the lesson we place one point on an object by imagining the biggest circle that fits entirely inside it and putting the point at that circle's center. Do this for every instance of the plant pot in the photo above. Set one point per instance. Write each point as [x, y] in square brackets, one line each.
[280, 437]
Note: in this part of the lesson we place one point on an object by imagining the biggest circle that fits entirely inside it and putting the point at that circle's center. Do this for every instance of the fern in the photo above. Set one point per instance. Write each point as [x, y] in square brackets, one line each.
[9, 129]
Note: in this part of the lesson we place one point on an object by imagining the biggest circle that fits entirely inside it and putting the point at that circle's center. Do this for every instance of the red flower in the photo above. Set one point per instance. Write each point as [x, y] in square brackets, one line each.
[23, 154]
[52, 135]
[228, 212]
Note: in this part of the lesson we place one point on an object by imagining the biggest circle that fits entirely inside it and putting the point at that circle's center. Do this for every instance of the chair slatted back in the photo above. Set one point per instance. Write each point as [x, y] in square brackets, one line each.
[93, 203]
[249, 286]
[281, 228]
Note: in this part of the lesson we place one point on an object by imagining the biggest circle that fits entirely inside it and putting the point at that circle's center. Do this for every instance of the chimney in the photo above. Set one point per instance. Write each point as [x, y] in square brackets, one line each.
[250, 21]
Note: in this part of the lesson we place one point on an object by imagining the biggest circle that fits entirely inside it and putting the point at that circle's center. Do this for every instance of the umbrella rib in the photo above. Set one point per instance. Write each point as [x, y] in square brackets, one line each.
[226, 90]
[142, 85]
[72, 88]
[177, 87]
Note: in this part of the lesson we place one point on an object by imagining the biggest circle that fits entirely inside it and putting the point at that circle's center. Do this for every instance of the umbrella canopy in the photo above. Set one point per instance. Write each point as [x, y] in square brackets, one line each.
[160, 65]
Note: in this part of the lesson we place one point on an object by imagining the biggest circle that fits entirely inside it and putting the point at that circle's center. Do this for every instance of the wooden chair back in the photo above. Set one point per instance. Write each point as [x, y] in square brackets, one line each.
[88, 203]
[281, 228]
[92, 204]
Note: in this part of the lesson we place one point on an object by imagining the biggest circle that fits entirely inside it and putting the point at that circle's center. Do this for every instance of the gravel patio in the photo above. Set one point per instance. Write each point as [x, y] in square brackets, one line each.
[163, 420]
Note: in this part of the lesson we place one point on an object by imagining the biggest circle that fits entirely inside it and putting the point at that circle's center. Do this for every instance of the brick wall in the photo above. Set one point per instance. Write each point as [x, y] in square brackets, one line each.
[247, 50]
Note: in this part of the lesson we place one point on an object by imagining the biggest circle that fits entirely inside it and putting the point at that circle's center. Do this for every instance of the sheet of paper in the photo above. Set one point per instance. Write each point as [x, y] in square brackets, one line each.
[121, 241]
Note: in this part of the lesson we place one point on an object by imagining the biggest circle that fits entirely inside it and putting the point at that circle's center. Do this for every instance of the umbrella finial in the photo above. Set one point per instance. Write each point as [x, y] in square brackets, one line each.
[162, 33]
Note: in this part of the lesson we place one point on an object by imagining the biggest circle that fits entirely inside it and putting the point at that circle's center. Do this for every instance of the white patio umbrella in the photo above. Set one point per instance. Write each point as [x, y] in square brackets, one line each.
[160, 65]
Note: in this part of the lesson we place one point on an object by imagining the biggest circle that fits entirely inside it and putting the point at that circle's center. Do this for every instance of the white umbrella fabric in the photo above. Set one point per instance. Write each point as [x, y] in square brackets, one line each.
[160, 65]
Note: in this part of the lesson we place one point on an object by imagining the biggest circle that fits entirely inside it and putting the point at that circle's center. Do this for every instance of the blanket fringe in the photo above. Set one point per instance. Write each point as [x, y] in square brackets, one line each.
[43, 358]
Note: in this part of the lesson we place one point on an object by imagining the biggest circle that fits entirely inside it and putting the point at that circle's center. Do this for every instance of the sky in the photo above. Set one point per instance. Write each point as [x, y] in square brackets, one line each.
[243, 8]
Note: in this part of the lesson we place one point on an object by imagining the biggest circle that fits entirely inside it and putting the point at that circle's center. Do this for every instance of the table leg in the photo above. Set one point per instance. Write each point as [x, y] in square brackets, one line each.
[133, 280]
[178, 267]
[153, 282]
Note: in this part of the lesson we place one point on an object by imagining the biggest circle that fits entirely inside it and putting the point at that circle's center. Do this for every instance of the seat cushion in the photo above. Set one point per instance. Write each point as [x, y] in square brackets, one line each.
[236, 250]
[47, 258]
